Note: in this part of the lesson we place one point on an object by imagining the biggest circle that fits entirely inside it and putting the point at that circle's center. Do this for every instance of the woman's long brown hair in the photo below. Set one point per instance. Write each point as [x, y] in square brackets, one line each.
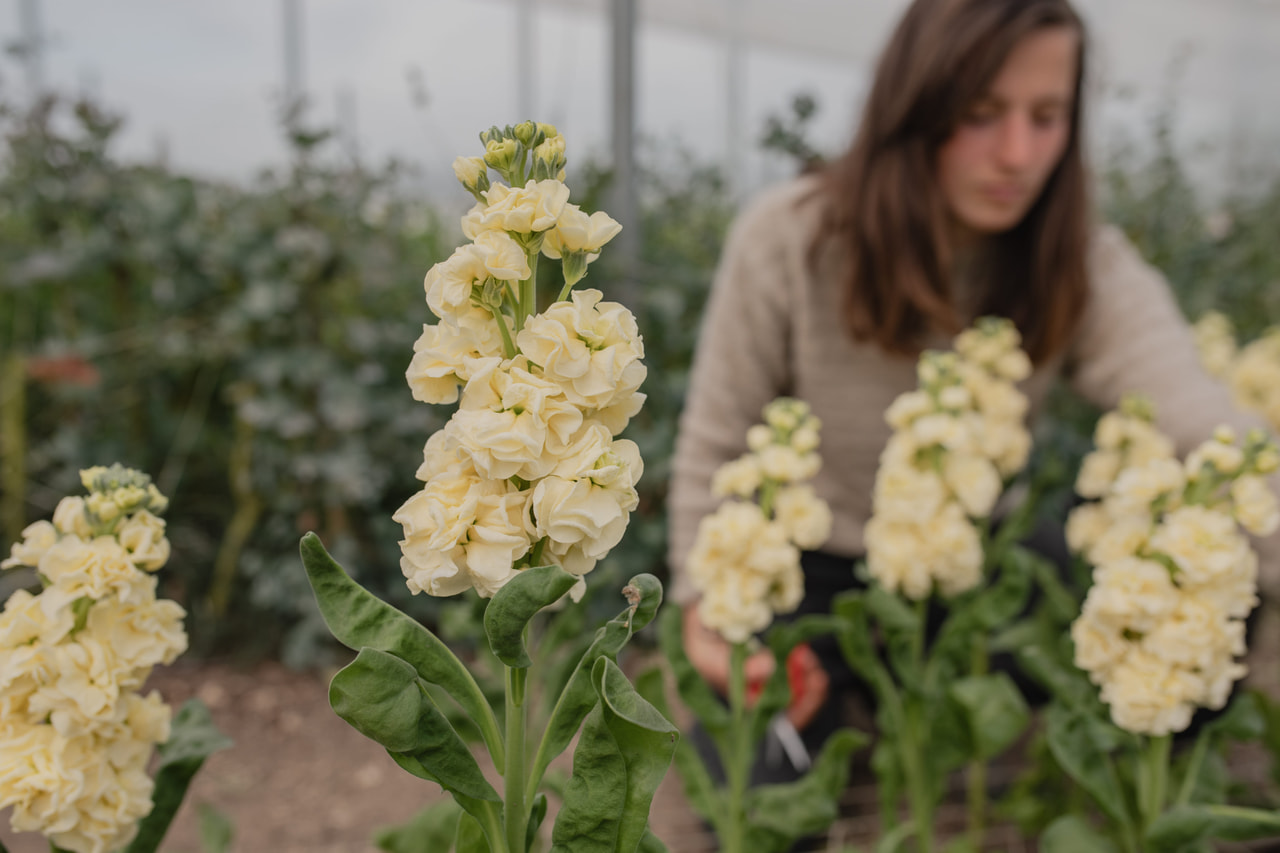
[884, 203]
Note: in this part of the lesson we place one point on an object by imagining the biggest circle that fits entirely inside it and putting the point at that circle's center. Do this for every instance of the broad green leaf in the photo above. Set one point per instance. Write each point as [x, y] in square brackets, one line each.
[1183, 826]
[471, 838]
[978, 614]
[779, 814]
[622, 755]
[960, 845]
[596, 793]
[382, 697]
[578, 696]
[1075, 744]
[431, 830]
[216, 830]
[891, 611]
[994, 711]
[651, 844]
[892, 841]
[948, 737]
[1070, 834]
[1062, 605]
[537, 814]
[1243, 720]
[647, 740]
[512, 607]
[485, 813]
[699, 790]
[192, 739]
[694, 691]
[856, 643]
[359, 619]
[1064, 682]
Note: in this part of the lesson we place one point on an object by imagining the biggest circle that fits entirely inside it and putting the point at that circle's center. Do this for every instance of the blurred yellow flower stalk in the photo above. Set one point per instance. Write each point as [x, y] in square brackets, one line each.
[75, 735]
[745, 560]
[1174, 575]
[957, 439]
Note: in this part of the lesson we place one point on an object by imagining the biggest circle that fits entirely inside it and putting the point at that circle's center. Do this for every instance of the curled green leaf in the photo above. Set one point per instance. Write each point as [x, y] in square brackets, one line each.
[512, 607]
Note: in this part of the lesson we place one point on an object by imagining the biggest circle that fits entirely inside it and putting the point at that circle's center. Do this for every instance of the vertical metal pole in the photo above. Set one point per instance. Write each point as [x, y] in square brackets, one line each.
[623, 205]
[524, 61]
[348, 127]
[735, 73]
[294, 87]
[32, 47]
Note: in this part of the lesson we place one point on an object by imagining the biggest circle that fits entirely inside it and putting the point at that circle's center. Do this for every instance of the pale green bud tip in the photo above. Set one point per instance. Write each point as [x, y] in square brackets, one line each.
[1268, 458]
[501, 153]
[119, 490]
[526, 132]
[1138, 406]
[1224, 435]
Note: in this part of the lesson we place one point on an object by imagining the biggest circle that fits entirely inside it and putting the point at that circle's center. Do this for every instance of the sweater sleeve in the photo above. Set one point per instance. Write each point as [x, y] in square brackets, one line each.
[1134, 337]
[740, 364]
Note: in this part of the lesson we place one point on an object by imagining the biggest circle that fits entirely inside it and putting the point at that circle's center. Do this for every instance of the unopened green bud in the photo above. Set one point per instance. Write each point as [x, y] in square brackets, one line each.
[526, 132]
[548, 158]
[574, 267]
[1267, 460]
[491, 295]
[1138, 406]
[493, 134]
[501, 154]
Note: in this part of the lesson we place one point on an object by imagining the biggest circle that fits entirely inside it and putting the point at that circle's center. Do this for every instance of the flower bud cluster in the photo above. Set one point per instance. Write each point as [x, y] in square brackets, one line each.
[75, 733]
[956, 440]
[1252, 371]
[745, 561]
[1174, 575]
[528, 471]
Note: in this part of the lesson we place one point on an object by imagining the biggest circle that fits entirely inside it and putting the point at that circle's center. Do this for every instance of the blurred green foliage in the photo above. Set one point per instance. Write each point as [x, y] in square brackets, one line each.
[245, 344]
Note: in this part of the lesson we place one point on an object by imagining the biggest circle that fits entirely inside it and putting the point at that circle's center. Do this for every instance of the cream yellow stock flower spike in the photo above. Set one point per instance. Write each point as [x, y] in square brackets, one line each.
[956, 439]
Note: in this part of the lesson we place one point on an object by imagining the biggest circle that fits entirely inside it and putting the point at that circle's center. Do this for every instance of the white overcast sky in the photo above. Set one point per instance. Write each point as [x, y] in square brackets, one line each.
[200, 80]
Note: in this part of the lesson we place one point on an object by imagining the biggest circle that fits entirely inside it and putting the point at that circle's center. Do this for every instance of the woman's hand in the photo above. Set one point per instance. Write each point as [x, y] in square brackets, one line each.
[709, 654]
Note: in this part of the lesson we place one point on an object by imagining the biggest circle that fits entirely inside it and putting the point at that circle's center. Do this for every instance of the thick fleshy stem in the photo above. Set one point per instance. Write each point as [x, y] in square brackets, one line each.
[976, 779]
[1153, 779]
[515, 811]
[914, 742]
[737, 763]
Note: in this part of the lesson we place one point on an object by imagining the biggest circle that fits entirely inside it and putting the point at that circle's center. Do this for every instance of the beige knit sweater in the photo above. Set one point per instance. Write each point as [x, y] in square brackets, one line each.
[773, 327]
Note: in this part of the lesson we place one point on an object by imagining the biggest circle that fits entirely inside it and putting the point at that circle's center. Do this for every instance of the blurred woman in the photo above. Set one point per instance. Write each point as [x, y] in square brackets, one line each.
[965, 193]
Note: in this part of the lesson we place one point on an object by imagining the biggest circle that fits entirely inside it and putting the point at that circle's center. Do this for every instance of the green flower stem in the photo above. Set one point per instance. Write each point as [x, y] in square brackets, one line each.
[528, 292]
[1153, 780]
[976, 780]
[912, 747]
[515, 810]
[508, 345]
[737, 764]
[1198, 753]
[768, 492]
[914, 742]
